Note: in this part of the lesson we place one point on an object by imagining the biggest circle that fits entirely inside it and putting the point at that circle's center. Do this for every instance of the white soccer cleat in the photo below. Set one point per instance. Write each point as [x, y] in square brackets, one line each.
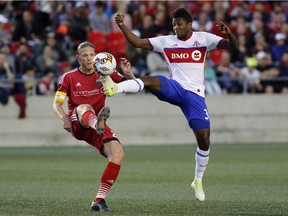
[198, 188]
[110, 87]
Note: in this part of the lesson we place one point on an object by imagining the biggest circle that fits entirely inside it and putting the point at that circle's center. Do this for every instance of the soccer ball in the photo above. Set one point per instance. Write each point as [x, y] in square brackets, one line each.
[104, 63]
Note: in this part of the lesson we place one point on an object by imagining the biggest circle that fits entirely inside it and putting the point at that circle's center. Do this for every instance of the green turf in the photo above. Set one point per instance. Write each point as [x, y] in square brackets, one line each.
[154, 180]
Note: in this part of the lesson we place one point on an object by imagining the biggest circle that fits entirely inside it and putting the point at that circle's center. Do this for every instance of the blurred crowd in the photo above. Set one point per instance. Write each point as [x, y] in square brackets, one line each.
[38, 40]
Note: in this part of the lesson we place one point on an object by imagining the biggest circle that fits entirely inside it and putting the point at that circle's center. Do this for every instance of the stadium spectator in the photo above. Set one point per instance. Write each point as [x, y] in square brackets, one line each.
[47, 60]
[24, 27]
[23, 59]
[98, 20]
[277, 18]
[137, 57]
[184, 89]
[5, 35]
[5, 48]
[146, 27]
[202, 23]
[279, 47]
[251, 76]
[239, 9]
[228, 74]
[22, 89]
[260, 44]
[257, 26]
[161, 24]
[43, 9]
[46, 85]
[239, 55]
[6, 9]
[138, 12]
[87, 115]
[156, 64]
[6, 79]
[212, 86]
[80, 25]
[29, 81]
[283, 73]
[267, 72]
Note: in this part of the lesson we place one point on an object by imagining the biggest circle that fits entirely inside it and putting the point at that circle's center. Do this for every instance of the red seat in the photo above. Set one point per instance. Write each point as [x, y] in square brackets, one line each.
[99, 39]
[117, 42]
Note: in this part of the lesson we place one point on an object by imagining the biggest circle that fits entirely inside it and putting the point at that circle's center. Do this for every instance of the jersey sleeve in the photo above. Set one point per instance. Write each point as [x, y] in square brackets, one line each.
[62, 89]
[212, 40]
[157, 43]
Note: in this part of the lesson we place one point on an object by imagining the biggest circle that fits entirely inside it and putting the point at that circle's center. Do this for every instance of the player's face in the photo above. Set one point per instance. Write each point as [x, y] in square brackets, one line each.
[85, 57]
[181, 28]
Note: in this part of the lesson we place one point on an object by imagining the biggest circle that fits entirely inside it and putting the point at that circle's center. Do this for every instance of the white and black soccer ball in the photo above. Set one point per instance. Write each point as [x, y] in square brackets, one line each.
[104, 63]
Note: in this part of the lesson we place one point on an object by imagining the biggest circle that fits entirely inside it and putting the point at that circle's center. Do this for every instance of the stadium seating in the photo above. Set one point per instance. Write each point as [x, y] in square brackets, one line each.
[99, 39]
[117, 44]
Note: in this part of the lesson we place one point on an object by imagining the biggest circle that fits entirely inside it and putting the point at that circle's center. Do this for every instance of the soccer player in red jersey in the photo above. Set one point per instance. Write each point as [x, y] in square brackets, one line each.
[87, 114]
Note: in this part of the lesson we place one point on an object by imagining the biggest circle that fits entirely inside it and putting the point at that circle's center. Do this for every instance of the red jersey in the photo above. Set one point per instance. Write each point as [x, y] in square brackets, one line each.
[83, 88]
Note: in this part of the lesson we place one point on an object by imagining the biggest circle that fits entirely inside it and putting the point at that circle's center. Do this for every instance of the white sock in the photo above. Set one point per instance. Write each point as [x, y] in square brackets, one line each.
[132, 86]
[92, 122]
[202, 159]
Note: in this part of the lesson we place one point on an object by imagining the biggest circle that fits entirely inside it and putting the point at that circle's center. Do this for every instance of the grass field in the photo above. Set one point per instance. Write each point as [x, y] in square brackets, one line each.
[154, 180]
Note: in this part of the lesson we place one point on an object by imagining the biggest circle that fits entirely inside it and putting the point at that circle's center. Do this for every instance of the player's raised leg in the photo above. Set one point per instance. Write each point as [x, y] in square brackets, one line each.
[113, 150]
[87, 117]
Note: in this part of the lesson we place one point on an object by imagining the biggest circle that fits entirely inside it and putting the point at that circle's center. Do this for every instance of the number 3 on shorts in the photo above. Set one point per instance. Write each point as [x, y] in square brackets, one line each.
[207, 114]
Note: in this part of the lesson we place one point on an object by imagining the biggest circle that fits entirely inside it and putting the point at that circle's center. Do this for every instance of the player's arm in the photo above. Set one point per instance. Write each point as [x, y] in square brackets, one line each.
[132, 38]
[58, 109]
[230, 42]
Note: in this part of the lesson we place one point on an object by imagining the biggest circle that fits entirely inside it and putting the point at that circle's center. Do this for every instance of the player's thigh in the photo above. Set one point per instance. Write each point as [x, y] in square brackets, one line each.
[195, 111]
[170, 91]
[151, 82]
[114, 151]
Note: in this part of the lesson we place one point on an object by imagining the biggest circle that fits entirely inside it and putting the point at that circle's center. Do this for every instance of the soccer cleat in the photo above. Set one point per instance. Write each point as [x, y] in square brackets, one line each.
[110, 87]
[101, 120]
[100, 206]
[198, 188]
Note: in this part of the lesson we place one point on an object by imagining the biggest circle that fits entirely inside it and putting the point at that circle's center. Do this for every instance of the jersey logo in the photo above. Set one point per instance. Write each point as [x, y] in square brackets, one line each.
[78, 84]
[186, 55]
[196, 43]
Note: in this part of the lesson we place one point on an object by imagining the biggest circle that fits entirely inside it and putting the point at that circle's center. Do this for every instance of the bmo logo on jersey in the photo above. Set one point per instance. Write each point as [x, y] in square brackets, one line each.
[186, 55]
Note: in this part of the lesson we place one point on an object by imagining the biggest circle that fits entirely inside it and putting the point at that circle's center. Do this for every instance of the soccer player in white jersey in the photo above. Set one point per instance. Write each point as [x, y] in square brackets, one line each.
[185, 54]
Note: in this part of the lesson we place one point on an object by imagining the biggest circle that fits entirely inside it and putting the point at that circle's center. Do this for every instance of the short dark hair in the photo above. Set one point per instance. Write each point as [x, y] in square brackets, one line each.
[84, 44]
[182, 13]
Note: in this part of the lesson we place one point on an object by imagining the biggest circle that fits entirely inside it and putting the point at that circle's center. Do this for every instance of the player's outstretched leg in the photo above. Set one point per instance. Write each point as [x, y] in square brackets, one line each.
[111, 88]
[100, 206]
[101, 120]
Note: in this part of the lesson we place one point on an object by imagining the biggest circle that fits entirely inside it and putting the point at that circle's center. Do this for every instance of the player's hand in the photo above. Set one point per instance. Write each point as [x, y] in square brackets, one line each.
[224, 28]
[126, 68]
[119, 19]
[67, 124]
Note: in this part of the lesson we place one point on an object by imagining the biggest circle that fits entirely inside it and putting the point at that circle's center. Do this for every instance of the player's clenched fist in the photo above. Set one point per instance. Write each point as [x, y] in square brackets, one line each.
[119, 19]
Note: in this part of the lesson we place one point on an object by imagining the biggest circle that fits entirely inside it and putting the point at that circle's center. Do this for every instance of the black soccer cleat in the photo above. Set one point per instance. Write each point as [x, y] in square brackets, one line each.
[100, 206]
[101, 121]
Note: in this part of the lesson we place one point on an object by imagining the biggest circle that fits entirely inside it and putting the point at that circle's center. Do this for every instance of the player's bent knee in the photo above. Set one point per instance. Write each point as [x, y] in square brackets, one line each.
[81, 109]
